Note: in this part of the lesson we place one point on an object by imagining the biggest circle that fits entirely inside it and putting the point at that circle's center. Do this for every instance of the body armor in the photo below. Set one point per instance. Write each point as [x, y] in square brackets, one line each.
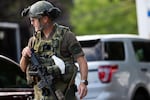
[45, 49]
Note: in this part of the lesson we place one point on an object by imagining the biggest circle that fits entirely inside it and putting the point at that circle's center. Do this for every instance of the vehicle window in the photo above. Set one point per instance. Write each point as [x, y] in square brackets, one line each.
[92, 50]
[11, 76]
[142, 51]
[7, 41]
[114, 51]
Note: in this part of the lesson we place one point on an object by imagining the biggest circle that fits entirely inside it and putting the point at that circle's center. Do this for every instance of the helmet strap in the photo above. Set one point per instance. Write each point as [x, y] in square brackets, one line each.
[40, 25]
[40, 28]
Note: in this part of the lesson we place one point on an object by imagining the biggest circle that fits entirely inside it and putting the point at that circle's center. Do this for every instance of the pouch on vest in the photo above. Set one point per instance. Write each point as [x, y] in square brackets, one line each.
[70, 72]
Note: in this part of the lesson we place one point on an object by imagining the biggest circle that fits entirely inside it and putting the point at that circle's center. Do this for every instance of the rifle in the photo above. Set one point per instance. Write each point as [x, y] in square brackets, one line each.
[46, 78]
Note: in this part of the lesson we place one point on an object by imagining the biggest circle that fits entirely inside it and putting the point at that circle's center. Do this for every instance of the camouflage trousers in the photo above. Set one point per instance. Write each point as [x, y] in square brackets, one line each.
[70, 95]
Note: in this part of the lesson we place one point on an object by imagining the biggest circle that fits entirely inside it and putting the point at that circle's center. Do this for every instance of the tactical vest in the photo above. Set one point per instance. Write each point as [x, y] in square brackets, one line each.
[44, 49]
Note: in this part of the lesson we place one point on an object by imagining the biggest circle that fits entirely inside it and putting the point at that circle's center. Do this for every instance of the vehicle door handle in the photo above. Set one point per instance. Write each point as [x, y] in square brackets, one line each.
[144, 69]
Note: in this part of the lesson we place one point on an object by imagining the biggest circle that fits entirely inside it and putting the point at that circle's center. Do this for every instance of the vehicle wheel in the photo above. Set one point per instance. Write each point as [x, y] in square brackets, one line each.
[141, 95]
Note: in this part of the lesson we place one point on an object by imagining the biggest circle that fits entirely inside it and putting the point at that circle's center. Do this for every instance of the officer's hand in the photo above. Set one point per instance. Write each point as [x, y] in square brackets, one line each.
[82, 90]
[26, 52]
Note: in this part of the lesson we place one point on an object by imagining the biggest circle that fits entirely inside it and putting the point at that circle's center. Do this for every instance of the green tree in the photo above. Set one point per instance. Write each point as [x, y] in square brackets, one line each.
[103, 17]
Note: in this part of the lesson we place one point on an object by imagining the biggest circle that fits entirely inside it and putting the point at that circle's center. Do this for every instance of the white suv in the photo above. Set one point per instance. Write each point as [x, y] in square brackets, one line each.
[119, 67]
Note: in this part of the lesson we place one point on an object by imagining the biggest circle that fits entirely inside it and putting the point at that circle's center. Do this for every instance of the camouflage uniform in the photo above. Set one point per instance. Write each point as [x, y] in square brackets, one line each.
[63, 44]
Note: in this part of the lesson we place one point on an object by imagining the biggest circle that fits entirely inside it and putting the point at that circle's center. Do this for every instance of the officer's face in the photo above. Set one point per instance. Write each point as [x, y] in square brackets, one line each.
[43, 22]
[35, 23]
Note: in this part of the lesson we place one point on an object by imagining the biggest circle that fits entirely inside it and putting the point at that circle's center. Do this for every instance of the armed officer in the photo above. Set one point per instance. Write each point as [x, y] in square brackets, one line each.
[53, 43]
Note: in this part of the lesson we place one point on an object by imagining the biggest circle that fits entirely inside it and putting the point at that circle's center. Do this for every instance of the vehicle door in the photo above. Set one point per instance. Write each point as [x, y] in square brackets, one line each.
[12, 81]
[142, 53]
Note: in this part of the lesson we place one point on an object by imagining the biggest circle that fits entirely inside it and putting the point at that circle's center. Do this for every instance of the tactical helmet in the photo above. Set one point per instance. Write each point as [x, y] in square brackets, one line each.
[41, 8]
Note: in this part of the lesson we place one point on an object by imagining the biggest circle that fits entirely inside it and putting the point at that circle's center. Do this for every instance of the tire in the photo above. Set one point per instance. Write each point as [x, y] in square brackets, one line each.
[141, 95]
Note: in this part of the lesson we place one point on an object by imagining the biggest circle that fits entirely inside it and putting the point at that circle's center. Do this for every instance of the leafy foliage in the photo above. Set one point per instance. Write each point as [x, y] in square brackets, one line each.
[104, 17]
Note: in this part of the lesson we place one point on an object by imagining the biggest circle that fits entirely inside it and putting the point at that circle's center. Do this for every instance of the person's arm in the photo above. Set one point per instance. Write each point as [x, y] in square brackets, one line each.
[76, 51]
[84, 73]
[83, 67]
[26, 53]
[23, 63]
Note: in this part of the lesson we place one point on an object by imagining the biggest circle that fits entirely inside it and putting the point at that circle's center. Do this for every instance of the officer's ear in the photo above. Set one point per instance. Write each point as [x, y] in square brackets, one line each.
[46, 19]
